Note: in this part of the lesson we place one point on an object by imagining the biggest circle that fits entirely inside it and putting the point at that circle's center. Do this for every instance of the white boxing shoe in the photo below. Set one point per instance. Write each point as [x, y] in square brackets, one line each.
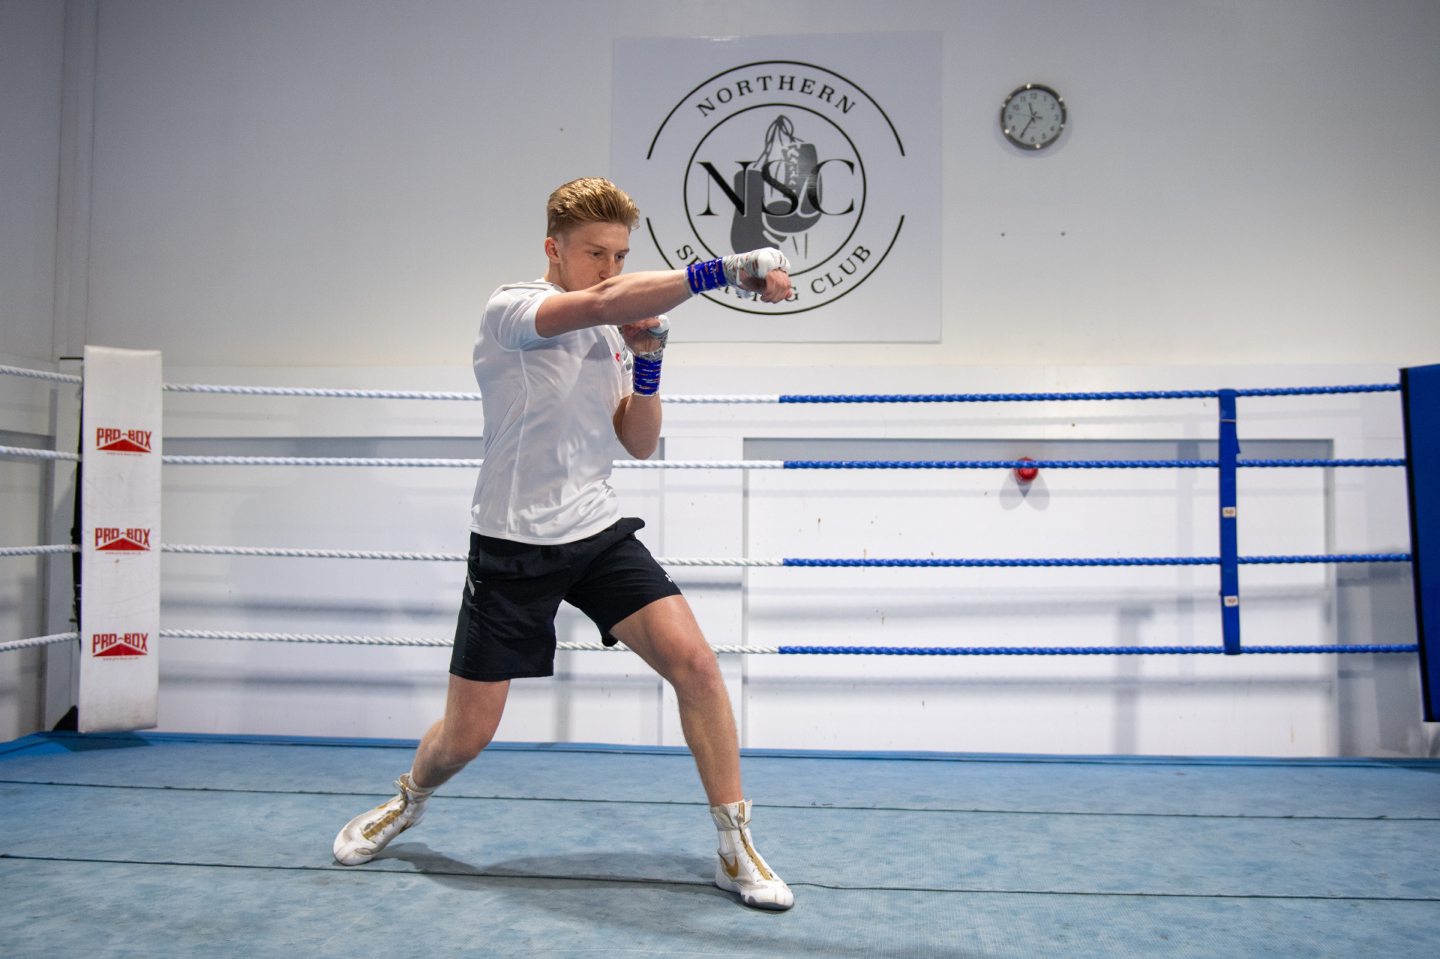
[739, 868]
[364, 836]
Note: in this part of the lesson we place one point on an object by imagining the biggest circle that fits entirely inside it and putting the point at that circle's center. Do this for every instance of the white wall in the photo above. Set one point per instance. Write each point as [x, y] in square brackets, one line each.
[31, 38]
[326, 191]
[342, 183]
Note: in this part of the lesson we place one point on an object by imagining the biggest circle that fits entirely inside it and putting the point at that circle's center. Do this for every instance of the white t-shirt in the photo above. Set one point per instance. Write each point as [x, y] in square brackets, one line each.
[549, 406]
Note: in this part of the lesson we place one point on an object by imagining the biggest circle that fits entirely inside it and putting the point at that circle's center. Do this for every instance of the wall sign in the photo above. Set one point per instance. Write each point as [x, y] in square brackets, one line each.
[824, 146]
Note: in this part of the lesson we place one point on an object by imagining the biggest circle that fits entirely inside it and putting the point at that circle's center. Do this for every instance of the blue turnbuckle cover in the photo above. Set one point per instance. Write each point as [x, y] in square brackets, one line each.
[1229, 537]
[1420, 399]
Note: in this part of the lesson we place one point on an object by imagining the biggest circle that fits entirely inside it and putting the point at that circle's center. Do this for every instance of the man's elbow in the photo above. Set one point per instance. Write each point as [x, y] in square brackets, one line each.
[642, 450]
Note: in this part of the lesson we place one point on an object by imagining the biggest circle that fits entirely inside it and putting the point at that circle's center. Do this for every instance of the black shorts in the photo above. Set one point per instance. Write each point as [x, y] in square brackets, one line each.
[513, 590]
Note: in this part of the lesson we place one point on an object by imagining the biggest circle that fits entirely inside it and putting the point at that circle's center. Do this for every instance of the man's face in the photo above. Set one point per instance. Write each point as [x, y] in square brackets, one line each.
[586, 254]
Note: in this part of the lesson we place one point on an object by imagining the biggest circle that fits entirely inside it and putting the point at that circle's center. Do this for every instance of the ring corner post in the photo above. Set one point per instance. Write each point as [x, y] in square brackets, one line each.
[120, 540]
[1229, 534]
[1420, 402]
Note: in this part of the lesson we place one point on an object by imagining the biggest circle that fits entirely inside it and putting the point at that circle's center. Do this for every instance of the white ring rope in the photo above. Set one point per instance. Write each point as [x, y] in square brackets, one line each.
[721, 561]
[173, 460]
[37, 550]
[329, 393]
[38, 641]
[723, 398]
[40, 375]
[427, 641]
[408, 394]
[318, 392]
[29, 453]
[700, 464]
[300, 553]
[178, 460]
[310, 553]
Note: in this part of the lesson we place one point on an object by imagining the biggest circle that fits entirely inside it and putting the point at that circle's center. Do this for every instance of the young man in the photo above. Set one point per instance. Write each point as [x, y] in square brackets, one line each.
[550, 361]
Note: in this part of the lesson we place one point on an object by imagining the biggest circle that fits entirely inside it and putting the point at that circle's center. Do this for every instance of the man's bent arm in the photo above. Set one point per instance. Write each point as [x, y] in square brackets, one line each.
[637, 425]
[620, 299]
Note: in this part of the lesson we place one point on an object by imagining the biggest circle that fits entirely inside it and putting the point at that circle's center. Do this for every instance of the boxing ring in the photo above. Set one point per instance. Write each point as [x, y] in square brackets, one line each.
[1227, 467]
[944, 854]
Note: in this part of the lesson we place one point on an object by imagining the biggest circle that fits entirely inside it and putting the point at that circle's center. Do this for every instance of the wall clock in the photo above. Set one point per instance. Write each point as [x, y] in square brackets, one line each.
[1032, 117]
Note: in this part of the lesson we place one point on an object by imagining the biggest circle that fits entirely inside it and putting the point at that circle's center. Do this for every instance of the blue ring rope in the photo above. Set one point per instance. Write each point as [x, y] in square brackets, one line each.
[1081, 650]
[1074, 464]
[1228, 396]
[1061, 397]
[1097, 561]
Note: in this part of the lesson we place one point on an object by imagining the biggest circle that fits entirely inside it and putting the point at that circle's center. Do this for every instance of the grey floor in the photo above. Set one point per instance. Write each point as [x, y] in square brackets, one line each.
[170, 845]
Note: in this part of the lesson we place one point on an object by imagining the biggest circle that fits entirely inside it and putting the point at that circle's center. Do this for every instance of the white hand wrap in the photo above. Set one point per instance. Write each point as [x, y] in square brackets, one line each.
[756, 264]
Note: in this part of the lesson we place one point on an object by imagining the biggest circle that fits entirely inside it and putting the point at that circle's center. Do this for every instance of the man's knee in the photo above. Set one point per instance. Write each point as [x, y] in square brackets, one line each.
[696, 670]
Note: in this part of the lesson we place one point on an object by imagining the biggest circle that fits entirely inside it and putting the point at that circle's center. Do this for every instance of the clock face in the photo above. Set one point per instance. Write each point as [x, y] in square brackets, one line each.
[1033, 116]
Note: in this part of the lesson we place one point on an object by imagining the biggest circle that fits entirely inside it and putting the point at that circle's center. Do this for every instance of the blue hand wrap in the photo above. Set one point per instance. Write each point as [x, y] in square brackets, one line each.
[706, 275]
[646, 376]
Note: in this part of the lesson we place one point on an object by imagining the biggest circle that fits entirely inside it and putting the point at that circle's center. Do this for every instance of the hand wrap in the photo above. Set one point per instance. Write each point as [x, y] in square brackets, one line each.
[645, 377]
[756, 264]
[733, 270]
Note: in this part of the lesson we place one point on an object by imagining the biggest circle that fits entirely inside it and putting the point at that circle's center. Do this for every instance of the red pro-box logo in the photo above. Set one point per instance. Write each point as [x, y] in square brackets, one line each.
[113, 539]
[119, 644]
[114, 440]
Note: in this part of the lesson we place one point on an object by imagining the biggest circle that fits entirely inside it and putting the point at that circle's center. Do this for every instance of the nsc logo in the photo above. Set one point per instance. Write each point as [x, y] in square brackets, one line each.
[787, 154]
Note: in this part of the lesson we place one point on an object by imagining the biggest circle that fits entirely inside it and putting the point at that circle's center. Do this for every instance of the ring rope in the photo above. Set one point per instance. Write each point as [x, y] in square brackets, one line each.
[310, 553]
[1064, 464]
[794, 563]
[175, 460]
[764, 398]
[1100, 561]
[38, 641]
[179, 460]
[28, 453]
[319, 392]
[40, 375]
[801, 398]
[1066, 397]
[37, 550]
[409, 641]
[349, 640]
[1081, 650]
[353, 461]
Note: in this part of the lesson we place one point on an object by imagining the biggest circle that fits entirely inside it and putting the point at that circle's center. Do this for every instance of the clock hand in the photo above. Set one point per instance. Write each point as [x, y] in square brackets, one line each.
[1027, 126]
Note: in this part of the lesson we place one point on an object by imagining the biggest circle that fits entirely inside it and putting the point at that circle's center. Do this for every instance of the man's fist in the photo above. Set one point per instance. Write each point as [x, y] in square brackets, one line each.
[749, 270]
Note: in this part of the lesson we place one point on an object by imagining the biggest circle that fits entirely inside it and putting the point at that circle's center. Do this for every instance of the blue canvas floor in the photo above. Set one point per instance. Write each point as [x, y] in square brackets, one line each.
[171, 845]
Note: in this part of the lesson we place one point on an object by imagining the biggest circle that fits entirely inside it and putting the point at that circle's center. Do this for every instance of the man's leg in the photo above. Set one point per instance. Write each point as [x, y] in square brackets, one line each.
[665, 635]
[472, 713]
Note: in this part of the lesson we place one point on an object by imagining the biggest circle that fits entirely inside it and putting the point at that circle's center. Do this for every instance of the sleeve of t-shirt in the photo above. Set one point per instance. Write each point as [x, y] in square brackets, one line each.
[510, 316]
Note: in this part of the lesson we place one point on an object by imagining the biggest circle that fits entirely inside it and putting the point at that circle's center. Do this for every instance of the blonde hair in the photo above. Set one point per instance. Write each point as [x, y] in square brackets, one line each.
[589, 200]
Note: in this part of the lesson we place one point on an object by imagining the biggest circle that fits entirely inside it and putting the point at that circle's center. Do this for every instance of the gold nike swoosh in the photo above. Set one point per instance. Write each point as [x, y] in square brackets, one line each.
[732, 869]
